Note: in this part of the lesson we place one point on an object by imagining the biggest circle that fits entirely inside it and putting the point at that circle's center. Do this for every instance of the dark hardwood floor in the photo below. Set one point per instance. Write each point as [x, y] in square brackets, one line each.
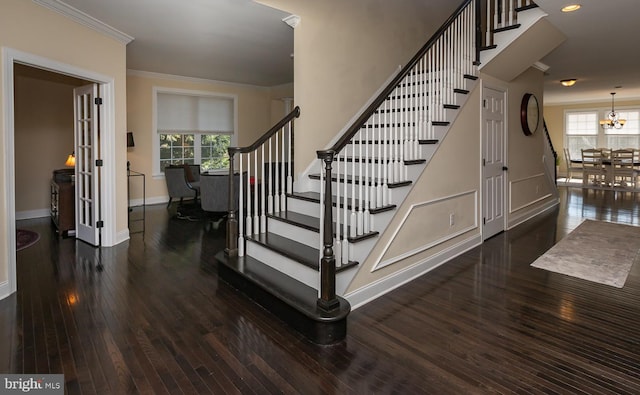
[150, 316]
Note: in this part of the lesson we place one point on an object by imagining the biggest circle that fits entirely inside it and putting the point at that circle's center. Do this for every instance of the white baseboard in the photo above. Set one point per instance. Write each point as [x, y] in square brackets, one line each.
[372, 291]
[122, 236]
[5, 290]
[525, 215]
[29, 214]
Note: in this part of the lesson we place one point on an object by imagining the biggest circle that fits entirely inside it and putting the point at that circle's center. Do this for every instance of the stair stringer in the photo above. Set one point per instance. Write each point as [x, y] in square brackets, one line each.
[382, 272]
[381, 221]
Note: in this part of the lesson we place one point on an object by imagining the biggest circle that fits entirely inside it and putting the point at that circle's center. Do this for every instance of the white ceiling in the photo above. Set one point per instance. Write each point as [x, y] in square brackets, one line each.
[246, 42]
[601, 51]
[226, 40]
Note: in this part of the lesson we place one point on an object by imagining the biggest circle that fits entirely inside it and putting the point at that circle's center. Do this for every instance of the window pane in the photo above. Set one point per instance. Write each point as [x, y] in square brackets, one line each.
[173, 150]
[577, 143]
[582, 123]
[165, 153]
[632, 126]
[213, 151]
[618, 141]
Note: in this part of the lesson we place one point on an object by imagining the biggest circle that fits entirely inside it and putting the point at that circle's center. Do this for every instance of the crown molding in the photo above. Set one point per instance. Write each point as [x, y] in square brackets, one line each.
[85, 19]
[541, 66]
[292, 20]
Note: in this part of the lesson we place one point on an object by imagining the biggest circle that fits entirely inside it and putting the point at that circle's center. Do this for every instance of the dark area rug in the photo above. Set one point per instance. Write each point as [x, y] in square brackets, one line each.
[26, 238]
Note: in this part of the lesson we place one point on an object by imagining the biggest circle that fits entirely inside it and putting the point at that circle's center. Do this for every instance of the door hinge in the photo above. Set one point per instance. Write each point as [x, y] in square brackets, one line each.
[484, 162]
[100, 224]
[484, 221]
[99, 163]
[98, 101]
[484, 103]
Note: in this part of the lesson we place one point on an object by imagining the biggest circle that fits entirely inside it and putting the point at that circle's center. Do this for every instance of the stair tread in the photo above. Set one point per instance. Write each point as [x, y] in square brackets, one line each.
[376, 160]
[505, 28]
[302, 253]
[370, 181]
[313, 224]
[315, 198]
[294, 293]
[375, 142]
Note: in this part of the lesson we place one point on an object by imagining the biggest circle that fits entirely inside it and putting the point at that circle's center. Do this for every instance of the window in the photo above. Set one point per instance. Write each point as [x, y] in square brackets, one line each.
[629, 135]
[582, 130]
[193, 129]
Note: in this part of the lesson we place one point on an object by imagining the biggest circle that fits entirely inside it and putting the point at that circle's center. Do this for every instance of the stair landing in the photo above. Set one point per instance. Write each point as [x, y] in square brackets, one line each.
[288, 299]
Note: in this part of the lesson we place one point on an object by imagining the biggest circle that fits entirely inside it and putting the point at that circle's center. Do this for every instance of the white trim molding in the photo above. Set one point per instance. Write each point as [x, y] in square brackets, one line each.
[380, 263]
[292, 20]
[85, 19]
[11, 56]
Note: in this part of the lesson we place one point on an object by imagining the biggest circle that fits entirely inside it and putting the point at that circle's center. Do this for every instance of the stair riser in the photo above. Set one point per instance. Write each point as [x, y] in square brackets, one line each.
[411, 150]
[374, 169]
[410, 103]
[293, 269]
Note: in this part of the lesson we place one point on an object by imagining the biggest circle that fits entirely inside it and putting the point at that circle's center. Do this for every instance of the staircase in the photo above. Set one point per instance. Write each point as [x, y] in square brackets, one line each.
[295, 251]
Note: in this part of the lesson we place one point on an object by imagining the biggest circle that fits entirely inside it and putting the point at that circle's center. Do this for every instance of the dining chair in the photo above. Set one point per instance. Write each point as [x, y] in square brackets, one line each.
[593, 169]
[624, 174]
[572, 166]
[606, 153]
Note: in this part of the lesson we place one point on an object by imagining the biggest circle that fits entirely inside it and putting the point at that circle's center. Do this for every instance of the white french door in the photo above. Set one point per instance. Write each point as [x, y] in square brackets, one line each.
[87, 148]
[493, 162]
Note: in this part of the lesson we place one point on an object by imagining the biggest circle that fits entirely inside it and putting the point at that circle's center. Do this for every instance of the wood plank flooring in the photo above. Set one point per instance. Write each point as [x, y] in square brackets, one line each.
[149, 316]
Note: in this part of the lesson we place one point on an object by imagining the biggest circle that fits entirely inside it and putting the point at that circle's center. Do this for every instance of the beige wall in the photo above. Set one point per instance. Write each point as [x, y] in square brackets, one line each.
[344, 51]
[33, 29]
[44, 130]
[554, 116]
[254, 118]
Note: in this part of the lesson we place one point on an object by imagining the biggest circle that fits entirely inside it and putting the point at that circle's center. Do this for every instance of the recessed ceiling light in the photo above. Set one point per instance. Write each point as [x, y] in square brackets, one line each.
[569, 82]
[571, 8]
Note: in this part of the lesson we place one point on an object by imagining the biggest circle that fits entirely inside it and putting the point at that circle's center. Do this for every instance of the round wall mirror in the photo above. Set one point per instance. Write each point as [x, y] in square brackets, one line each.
[529, 114]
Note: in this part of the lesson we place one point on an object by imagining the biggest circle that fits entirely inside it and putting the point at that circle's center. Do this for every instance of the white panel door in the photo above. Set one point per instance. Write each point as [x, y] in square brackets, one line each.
[87, 121]
[493, 162]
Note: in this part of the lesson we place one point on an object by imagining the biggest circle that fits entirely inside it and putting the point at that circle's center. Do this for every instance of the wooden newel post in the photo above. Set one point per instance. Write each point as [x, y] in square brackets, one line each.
[231, 248]
[328, 300]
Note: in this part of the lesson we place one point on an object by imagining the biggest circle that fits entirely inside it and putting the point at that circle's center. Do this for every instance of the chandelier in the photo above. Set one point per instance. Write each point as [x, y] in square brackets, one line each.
[613, 120]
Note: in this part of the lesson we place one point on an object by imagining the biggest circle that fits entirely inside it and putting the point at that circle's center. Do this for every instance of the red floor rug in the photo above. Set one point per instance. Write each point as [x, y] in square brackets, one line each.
[25, 238]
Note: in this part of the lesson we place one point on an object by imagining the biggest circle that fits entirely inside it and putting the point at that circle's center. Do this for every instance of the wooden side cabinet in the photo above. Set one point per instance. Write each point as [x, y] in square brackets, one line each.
[63, 207]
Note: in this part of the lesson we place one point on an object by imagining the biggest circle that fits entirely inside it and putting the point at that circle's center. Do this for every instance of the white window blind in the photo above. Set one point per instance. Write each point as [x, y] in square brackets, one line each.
[201, 114]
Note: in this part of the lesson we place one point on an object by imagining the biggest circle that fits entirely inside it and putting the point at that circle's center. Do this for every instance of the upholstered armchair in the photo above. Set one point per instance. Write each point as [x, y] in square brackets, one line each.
[182, 182]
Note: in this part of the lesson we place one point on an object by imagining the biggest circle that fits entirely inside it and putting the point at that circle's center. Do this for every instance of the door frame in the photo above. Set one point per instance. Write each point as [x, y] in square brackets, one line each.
[505, 192]
[107, 145]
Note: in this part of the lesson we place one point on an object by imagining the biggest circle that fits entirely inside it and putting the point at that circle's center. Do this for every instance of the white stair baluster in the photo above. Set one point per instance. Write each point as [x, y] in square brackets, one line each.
[270, 178]
[289, 158]
[263, 217]
[345, 205]
[241, 214]
[256, 187]
[353, 221]
[276, 175]
[338, 236]
[361, 182]
[282, 180]
[249, 221]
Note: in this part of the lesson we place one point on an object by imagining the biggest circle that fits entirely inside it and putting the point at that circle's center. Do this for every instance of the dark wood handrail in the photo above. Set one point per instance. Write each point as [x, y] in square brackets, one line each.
[364, 117]
[250, 148]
